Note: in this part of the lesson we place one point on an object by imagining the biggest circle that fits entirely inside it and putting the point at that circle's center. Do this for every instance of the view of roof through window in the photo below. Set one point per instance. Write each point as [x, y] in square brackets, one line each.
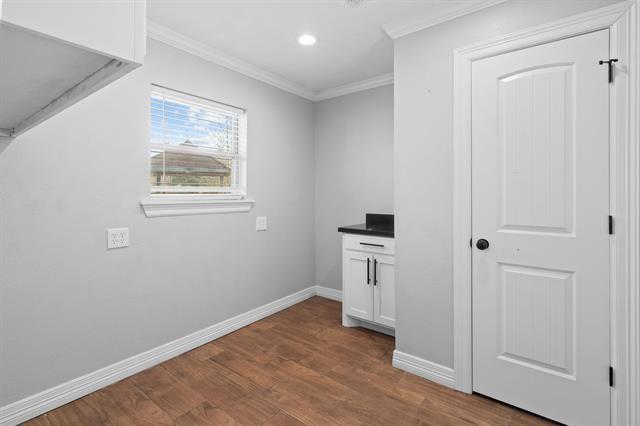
[194, 144]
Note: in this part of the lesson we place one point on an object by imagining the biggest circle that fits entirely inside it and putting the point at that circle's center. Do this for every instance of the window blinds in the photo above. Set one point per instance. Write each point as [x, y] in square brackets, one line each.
[195, 143]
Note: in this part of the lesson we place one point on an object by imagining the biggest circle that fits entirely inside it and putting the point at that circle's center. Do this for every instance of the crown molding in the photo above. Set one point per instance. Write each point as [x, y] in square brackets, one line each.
[402, 28]
[345, 89]
[175, 39]
[172, 38]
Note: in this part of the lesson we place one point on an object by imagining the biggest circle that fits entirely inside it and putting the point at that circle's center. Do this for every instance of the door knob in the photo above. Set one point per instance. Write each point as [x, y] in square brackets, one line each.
[482, 244]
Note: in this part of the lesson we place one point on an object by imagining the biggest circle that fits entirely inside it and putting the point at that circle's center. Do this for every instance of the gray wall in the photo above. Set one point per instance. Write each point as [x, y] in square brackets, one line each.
[423, 166]
[354, 170]
[67, 305]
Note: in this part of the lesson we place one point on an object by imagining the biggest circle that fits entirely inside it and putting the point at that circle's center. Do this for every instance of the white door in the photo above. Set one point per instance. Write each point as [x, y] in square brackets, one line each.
[540, 170]
[384, 290]
[358, 279]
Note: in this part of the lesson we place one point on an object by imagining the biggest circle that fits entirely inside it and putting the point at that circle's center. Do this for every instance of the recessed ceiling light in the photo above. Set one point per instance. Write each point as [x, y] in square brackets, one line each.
[307, 40]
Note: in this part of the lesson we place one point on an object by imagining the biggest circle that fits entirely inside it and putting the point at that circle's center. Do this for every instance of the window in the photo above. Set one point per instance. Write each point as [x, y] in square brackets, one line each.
[198, 146]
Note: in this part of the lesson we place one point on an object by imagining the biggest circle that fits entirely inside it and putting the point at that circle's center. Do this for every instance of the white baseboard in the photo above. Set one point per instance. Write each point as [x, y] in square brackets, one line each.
[377, 327]
[329, 293]
[32, 406]
[423, 368]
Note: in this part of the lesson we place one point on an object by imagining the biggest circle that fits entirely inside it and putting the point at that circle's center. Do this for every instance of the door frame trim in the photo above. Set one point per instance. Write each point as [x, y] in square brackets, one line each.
[622, 21]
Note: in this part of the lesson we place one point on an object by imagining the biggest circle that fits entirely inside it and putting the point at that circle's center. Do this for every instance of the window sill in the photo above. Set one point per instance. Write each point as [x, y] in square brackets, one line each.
[182, 205]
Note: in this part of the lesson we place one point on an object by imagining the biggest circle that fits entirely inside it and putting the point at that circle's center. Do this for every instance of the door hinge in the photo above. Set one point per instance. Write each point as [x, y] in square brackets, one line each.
[610, 376]
[610, 225]
[609, 63]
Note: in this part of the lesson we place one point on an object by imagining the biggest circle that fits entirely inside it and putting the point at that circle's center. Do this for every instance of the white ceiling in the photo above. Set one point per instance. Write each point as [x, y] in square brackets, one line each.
[352, 45]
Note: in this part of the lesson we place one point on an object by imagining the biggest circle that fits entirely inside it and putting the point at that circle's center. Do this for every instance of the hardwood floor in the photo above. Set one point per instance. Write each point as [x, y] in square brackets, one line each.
[299, 366]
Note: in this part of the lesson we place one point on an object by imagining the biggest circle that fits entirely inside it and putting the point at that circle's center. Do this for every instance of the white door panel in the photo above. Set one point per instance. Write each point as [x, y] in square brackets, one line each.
[358, 282]
[535, 114]
[540, 179]
[384, 290]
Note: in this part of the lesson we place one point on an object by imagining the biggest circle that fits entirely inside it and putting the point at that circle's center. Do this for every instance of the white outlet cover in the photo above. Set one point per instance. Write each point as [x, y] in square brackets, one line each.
[117, 238]
[261, 223]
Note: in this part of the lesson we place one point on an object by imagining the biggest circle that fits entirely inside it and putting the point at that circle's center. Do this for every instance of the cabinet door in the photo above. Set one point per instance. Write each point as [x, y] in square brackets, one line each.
[103, 26]
[358, 292]
[384, 291]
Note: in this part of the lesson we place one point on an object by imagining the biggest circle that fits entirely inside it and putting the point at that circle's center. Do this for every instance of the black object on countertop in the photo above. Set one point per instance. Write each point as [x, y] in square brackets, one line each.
[379, 225]
[379, 220]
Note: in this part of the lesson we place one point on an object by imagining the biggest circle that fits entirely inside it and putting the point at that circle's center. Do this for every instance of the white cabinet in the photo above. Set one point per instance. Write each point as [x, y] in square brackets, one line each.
[357, 277]
[56, 52]
[384, 291]
[368, 281]
[113, 28]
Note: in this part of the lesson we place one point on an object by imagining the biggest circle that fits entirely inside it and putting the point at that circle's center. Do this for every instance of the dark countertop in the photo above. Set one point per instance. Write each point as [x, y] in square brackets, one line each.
[362, 229]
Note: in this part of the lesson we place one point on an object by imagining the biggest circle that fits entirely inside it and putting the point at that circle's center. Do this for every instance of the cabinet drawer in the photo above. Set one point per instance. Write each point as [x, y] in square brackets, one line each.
[369, 244]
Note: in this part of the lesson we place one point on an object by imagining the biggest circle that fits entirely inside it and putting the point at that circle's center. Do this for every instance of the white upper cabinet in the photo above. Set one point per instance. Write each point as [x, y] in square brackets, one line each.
[56, 52]
[106, 27]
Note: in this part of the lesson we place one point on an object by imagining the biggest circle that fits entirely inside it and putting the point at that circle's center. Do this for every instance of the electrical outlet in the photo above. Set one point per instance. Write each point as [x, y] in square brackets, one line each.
[261, 223]
[117, 237]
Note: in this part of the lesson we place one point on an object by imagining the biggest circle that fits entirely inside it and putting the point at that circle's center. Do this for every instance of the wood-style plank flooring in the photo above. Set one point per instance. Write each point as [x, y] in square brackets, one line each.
[299, 366]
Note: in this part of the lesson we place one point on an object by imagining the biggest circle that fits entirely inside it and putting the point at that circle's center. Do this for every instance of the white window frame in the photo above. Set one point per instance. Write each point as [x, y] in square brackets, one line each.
[186, 200]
